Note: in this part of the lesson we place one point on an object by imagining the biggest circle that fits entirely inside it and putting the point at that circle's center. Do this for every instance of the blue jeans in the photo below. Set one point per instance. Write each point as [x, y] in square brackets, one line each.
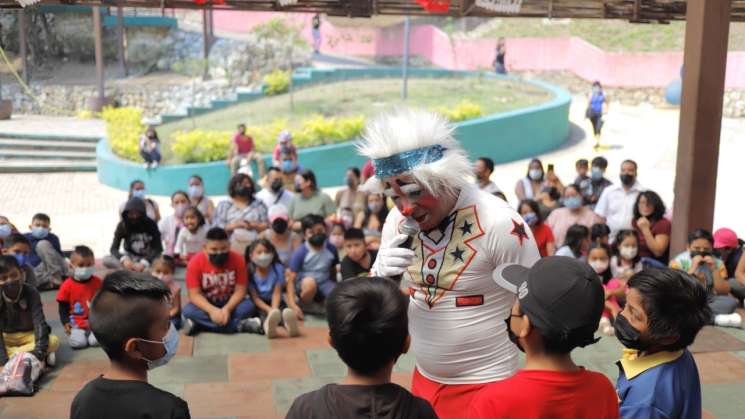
[244, 310]
[150, 156]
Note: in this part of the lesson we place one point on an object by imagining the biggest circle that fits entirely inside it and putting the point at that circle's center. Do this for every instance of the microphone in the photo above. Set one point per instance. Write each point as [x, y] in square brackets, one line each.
[411, 228]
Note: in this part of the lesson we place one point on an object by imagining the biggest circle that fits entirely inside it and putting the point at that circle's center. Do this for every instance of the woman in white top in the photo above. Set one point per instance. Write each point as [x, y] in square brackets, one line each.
[198, 198]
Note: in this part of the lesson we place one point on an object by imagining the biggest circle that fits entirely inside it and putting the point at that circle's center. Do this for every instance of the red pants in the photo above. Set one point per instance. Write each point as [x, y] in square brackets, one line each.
[450, 401]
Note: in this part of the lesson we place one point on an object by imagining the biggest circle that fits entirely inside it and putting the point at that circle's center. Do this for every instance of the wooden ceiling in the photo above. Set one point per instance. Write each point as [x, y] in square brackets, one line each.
[631, 10]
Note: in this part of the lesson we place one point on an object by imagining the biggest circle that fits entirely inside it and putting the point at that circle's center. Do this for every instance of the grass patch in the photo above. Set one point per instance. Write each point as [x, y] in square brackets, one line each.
[366, 97]
[609, 35]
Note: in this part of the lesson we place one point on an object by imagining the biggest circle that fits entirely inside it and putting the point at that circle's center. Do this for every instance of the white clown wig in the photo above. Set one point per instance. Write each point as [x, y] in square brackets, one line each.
[406, 129]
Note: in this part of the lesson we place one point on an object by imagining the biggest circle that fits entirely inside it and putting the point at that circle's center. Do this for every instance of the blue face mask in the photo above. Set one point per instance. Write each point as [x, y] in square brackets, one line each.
[5, 230]
[287, 166]
[573, 202]
[39, 232]
[530, 218]
[138, 193]
[170, 342]
[21, 258]
[596, 173]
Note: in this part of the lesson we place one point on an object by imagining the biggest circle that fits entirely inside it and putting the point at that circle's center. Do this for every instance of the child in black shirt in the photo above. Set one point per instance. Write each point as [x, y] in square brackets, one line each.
[368, 324]
[358, 259]
[129, 317]
[141, 237]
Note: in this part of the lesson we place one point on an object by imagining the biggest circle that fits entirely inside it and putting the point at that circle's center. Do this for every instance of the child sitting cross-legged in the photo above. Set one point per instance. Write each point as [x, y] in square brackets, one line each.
[665, 309]
[74, 298]
[368, 327]
[265, 285]
[23, 327]
[46, 256]
[129, 316]
[18, 246]
[558, 307]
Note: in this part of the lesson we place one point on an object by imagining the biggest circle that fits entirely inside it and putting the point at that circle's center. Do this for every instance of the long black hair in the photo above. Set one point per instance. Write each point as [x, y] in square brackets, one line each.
[654, 201]
[574, 237]
[620, 236]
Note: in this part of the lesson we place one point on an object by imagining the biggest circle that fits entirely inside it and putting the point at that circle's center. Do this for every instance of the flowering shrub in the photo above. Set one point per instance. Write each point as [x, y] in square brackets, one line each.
[124, 127]
[277, 82]
[465, 109]
[201, 146]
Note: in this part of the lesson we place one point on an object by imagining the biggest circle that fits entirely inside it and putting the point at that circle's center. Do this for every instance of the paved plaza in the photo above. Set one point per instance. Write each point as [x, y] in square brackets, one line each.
[248, 376]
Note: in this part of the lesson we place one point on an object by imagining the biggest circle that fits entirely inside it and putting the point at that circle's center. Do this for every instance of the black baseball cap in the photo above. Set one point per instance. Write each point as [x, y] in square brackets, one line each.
[561, 296]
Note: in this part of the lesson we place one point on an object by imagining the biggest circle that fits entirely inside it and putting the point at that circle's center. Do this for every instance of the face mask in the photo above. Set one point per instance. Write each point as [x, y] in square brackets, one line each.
[298, 188]
[698, 253]
[628, 252]
[138, 193]
[337, 240]
[39, 232]
[218, 259]
[170, 342]
[317, 240]
[179, 210]
[287, 166]
[279, 226]
[627, 179]
[512, 335]
[628, 335]
[5, 230]
[535, 174]
[276, 185]
[83, 274]
[375, 208]
[573, 202]
[263, 260]
[244, 191]
[599, 266]
[350, 182]
[530, 218]
[21, 258]
[595, 90]
[196, 191]
[12, 289]
[596, 173]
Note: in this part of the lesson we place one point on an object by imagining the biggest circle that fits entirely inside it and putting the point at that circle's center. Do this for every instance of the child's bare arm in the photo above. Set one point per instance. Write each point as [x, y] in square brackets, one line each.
[260, 304]
[276, 296]
[175, 305]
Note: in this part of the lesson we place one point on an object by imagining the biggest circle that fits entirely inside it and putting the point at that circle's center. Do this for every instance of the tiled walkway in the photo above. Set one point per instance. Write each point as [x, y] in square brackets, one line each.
[248, 376]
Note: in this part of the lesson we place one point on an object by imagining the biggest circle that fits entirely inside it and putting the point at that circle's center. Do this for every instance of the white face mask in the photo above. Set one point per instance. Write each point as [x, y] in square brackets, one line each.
[170, 342]
[83, 274]
[599, 266]
[535, 174]
[628, 252]
[263, 260]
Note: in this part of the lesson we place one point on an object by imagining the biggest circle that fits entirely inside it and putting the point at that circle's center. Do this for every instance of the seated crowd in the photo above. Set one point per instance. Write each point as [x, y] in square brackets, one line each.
[267, 256]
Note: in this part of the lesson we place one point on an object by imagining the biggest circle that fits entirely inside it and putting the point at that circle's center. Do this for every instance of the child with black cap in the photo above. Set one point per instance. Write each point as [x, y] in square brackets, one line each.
[558, 308]
[658, 378]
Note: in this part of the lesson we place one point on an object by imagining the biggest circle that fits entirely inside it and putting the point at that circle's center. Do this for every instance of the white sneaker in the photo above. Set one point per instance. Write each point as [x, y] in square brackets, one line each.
[728, 320]
[735, 320]
[154, 165]
[51, 359]
[272, 323]
[290, 319]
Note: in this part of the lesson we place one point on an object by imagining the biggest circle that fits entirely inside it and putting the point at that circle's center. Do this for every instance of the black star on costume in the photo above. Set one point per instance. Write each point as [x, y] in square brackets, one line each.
[457, 254]
[518, 230]
[466, 228]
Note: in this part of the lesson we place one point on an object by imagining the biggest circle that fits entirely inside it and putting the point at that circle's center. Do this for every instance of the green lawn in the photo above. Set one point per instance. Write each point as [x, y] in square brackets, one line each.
[364, 97]
[609, 35]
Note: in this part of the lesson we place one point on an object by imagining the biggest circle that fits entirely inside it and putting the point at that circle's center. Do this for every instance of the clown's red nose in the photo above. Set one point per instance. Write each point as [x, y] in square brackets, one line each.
[407, 211]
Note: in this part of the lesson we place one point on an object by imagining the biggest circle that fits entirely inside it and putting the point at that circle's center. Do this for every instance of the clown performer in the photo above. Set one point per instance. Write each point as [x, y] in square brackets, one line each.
[456, 311]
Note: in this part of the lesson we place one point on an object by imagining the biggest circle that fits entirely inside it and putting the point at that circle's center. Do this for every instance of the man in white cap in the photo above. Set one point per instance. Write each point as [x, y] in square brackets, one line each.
[457, 311]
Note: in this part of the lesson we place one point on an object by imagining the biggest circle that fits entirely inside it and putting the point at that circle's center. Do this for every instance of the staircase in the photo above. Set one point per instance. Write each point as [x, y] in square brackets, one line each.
[40, 154]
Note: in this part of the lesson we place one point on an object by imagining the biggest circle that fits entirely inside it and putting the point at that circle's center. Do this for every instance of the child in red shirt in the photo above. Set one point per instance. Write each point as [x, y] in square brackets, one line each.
[559, 304]
[74, 298]
[216, 279]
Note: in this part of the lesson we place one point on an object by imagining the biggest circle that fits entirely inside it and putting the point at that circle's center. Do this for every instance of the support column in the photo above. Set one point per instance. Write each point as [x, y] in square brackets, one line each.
[207, 41]
[23, 41]
[99, 101]
[705, 62]
[405, 64]
[120, 40]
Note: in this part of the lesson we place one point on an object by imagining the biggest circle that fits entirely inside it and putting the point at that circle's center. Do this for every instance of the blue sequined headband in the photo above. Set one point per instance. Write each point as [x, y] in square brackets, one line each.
[407, 160]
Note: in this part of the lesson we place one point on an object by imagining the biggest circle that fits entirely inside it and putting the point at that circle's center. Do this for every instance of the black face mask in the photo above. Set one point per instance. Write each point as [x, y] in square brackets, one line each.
[350, 182]
[512, 335]
[244, 191]
[627, 179]
[702, 254]
[628, 335]
[279, 226]
[317, 240]
[218, 259]
[298, 188]
[276, 185]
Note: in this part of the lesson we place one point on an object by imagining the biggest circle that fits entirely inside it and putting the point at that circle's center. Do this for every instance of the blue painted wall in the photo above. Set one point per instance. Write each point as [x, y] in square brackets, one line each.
[504, 137]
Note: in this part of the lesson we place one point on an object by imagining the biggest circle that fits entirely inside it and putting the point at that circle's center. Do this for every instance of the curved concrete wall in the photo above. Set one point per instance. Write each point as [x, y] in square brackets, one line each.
[504, 137]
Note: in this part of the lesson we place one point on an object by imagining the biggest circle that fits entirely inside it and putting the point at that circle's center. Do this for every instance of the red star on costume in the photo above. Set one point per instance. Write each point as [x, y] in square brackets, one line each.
[518, 230]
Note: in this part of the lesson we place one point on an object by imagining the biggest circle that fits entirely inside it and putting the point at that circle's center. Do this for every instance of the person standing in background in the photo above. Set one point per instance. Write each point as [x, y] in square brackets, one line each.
[316, 31]
[498, 64]
[597, 106]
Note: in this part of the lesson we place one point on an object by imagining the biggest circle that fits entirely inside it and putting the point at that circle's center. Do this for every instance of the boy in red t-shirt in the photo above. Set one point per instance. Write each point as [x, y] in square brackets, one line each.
[559, 304]
[216, 279]
[74, 298]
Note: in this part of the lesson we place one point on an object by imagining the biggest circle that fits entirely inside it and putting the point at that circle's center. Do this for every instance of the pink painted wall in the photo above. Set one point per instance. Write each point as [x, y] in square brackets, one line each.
[530, 54]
